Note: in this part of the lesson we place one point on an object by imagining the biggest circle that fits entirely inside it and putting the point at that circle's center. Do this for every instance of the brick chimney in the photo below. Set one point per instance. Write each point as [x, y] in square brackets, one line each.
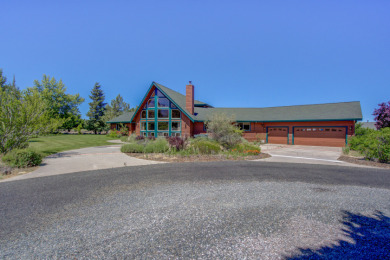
[190, 98]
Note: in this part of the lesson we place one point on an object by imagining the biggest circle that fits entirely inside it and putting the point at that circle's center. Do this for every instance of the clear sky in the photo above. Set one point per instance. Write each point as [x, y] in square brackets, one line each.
[236, 53]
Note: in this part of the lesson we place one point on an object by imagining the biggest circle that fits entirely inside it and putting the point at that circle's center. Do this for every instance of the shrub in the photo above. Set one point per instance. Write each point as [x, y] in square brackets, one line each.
[124, 131]
[113, 134]
[140, 138]
[124, 138]
[205, 146]
[22, 158]
[132, 148]
[177, 142]
[346, 150]
[222, 129]
[79, 128]
[372, 144]
[160, 145]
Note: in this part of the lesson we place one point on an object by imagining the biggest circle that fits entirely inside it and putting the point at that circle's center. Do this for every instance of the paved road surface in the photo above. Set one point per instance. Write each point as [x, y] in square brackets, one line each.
[199, 210]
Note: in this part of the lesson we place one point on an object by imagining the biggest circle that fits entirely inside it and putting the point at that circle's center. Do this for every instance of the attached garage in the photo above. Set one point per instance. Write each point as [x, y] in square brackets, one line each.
[320, 136]
[277, 135]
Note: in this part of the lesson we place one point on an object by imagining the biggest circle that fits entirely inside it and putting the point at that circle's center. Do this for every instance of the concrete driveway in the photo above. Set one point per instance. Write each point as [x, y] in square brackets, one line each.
[85, 159]
[304, 154]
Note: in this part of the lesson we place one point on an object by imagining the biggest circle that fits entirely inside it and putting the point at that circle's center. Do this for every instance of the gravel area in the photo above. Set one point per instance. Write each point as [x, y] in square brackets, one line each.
[172, 217]
[362, 161]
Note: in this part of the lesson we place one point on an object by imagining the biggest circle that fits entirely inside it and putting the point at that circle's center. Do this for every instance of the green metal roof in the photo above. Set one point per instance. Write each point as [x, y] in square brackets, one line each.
[124, 118]
[319, 112]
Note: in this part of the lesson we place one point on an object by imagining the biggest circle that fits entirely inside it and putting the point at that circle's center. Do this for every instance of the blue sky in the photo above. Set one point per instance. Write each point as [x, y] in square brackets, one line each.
[237, 53]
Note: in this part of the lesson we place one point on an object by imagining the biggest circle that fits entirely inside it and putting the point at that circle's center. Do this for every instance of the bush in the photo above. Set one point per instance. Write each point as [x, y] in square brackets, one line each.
[79, 128]
[177, 142]
[132, 148]
[140, 138]
[222, 129]
[372, 144]
[113, 134]
[124, 131]
[160, 145]
[124, 138]
[22, 158]
[205, 146]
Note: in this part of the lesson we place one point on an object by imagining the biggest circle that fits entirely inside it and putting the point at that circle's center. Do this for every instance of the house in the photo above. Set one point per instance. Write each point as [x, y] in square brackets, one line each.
[165, 112]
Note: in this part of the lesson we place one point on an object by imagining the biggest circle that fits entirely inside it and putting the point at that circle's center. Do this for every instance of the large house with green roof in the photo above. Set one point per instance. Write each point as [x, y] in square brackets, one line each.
[165, 112]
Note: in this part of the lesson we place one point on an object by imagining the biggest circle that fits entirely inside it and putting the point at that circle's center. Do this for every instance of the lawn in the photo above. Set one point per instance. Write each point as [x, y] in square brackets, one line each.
[58, 143]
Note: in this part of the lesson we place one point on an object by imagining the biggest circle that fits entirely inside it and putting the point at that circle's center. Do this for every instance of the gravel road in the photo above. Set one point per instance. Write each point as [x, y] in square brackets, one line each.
[199, 210]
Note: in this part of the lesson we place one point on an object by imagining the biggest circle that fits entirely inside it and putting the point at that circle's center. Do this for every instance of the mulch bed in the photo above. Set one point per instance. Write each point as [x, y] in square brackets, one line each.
[195, 158]
[362, 161]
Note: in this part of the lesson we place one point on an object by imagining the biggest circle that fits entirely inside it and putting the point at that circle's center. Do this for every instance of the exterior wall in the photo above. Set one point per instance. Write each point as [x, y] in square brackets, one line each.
[199, 128]
[186, 126]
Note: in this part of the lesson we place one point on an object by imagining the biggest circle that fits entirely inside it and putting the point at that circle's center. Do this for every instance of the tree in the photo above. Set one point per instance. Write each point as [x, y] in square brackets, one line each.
[96, 109]
[61, 106]
[118, 107]
[382, 115]
[22, 115]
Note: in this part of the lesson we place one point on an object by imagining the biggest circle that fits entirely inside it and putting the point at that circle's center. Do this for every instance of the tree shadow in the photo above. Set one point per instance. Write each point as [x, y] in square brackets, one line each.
[370, 235]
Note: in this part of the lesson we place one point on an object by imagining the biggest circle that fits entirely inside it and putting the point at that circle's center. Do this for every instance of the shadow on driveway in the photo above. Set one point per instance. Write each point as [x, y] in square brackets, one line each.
[370, 235]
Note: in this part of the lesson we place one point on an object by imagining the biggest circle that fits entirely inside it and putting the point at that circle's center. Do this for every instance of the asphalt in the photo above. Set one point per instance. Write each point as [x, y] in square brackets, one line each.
[199, 210]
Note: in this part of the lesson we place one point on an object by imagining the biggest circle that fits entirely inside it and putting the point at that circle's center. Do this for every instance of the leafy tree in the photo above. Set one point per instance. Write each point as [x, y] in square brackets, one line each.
[60, 105]
[22, 115]
[118, 106]
[96, 110]
[382, 115]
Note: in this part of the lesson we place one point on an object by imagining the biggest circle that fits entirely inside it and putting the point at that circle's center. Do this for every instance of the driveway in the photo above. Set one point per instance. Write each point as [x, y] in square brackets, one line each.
[85, 159]
[215, 210]
[304, 154]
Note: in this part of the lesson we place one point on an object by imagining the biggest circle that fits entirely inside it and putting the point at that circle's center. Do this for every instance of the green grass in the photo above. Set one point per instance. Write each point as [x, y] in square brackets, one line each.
[58, 143]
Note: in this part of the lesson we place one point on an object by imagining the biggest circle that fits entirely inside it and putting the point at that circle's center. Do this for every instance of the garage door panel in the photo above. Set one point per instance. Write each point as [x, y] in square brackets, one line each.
[320, 136]
[277, 135]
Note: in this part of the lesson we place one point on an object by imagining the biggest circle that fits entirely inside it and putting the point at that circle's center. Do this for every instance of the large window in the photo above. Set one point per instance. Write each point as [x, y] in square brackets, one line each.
[163, 113]
[163, 126]
[160, 117]
[143, 114]
[175, 126]
[151, 114]
[151, 126]
[175, 113]
[244, 126]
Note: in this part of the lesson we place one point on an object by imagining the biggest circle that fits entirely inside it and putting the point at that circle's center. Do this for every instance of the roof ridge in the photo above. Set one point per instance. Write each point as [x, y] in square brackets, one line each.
[292, 105]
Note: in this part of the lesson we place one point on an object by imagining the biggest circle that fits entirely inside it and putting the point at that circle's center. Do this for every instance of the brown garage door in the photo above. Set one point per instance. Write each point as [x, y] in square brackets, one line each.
[320, 136]
[277, 135]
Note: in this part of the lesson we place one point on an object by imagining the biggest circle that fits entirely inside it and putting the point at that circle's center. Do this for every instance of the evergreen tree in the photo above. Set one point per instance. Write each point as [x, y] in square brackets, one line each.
[118, 107]
[97, 110]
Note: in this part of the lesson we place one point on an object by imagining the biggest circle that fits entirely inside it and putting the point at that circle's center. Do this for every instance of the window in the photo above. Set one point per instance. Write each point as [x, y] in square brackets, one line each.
[118, 127]
[175, 126]
[173, 105]
[151, 133]
[144, 134]
[244, 126]
[159, 94]
[151, 114]
[163, 102]
[143, 126]
[151, 102]
[143, 114]
[163, 126]
[162, 134]
[150, 126]
[175, 113]
[163, 113]
[176, 134]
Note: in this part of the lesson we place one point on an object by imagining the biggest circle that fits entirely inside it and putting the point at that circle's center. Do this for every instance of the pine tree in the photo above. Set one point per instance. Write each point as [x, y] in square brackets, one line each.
[97, 109]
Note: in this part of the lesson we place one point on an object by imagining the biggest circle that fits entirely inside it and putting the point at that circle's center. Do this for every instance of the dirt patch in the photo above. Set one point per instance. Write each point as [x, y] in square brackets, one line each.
[17, 171]
[196, 158]
[362, 161]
